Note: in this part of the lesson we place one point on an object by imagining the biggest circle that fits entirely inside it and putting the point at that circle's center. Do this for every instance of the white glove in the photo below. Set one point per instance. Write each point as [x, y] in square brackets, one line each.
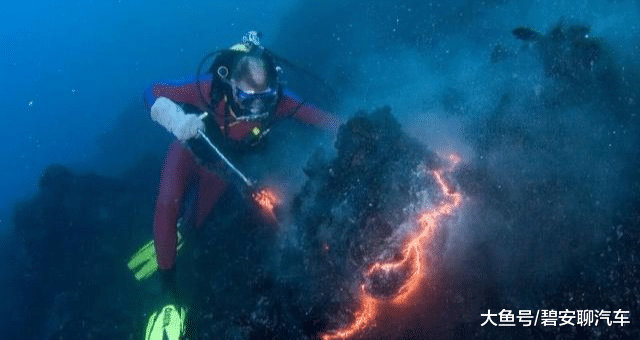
[175, 120]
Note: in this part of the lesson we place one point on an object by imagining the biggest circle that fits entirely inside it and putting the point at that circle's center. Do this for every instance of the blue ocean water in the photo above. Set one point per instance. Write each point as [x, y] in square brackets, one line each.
[70, 68]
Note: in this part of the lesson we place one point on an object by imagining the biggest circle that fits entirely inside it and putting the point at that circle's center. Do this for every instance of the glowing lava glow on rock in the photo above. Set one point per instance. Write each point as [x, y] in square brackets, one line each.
[409, 267]
[267, 201]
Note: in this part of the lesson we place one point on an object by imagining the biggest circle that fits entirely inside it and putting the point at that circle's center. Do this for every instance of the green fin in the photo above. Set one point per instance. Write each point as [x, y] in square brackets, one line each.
[144, 263]
[141, 256]
[168, 323]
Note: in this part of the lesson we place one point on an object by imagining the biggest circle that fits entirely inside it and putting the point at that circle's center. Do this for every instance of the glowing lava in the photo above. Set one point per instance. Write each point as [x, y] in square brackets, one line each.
[408, 270]
[267, 201]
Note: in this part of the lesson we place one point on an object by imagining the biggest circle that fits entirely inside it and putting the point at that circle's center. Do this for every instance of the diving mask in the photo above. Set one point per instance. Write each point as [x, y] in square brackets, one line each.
[255, 105]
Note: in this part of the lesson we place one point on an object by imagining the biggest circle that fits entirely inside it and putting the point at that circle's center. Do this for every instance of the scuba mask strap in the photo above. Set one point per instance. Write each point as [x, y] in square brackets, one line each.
[208, 103]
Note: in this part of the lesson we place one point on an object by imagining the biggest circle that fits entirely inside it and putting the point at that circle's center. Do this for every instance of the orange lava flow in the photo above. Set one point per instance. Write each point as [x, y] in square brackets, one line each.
[411, 260]
[267, 201]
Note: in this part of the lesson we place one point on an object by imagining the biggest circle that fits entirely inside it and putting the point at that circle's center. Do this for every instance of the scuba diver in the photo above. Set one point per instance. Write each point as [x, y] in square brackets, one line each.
[232, 108]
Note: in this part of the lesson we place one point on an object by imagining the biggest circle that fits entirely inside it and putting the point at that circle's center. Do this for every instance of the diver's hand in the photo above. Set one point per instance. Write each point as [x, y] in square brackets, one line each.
[175, 120]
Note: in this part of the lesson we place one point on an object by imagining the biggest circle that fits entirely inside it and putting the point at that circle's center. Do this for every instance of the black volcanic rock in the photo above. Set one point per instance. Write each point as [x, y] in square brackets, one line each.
[351, 208]
[244, 281]
[583, 67]
[77, 232]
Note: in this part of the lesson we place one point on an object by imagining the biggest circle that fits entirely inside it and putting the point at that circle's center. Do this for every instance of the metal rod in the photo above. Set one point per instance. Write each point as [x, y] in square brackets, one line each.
[231, 166]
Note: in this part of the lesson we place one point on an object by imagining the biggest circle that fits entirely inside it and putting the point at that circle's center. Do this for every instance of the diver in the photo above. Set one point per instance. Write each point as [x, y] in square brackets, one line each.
[233, 106]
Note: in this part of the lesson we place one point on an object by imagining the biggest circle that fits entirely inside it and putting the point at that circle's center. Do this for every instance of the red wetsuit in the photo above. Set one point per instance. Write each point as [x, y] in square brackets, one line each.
[182, 168]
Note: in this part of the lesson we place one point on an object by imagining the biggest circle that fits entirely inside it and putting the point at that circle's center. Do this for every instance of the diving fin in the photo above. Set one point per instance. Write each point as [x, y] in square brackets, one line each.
[144, 263]
[167, 324]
